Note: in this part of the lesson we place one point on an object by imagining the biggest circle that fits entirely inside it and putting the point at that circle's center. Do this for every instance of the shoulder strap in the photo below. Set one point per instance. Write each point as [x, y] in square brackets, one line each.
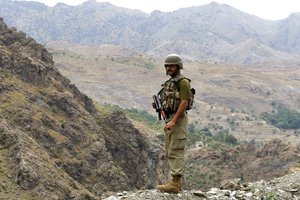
[183, 78]
[177, 82]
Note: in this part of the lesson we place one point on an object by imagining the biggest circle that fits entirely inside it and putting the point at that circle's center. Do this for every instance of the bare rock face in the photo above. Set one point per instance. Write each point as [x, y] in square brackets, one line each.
[34, 169]
[30, 59]
[137, 148]
[60, 145]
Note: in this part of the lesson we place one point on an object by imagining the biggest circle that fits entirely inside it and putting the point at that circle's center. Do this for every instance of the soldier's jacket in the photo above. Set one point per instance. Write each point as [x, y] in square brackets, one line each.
[173, 91]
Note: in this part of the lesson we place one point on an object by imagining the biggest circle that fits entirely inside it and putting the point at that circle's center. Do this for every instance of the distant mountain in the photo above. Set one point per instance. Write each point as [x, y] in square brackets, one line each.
[286, 36]
[210, 32]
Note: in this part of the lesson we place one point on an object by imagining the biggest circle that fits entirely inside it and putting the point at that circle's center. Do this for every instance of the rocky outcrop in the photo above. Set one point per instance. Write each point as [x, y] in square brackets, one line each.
[118, 145]
[60, 144]
[35, 170]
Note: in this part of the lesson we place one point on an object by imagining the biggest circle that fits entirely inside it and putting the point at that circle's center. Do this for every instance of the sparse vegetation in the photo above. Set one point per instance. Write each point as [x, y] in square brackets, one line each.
[196, 179]
[284, 119]
[140, 115]
[215, 139]
[9, 189]
[271, 196]
[106, 109]
[225, 137]
[144, 117]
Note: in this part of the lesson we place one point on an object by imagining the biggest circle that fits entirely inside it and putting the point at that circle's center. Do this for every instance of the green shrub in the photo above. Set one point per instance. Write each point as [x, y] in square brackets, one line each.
[144, 117]
[284, 119]
[225, 137]
[230, 139]
[216, 140]
[141, 115]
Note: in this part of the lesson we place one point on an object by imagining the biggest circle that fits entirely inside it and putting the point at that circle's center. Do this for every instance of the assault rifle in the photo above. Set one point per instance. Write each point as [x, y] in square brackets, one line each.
[158, 107]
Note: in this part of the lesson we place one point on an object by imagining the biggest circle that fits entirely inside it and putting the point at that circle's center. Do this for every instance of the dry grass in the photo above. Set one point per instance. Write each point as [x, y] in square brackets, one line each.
[9, 189]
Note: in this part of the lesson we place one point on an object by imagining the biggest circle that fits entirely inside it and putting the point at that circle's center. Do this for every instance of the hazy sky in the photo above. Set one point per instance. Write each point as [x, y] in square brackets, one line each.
[267, 9]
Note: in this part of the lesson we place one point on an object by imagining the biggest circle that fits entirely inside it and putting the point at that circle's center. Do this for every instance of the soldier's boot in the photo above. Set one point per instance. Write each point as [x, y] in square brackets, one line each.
[173, 187]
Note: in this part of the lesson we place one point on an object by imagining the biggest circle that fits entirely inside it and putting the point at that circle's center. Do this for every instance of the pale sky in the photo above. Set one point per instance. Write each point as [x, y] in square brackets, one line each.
[267, 9]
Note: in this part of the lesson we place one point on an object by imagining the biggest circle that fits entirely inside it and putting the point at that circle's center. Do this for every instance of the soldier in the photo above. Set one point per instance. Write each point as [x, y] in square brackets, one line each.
[175, 97]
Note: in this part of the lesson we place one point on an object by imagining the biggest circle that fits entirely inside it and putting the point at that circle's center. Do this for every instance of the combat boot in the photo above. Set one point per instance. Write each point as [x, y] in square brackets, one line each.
[173, 187]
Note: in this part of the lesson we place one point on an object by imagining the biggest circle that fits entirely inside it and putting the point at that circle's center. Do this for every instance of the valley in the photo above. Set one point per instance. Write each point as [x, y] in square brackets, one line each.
[227, 96]
[229, 102]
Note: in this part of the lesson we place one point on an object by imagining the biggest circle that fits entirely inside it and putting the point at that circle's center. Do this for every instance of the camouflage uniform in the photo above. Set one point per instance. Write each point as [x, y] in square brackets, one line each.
[176, 137]
[174, 91]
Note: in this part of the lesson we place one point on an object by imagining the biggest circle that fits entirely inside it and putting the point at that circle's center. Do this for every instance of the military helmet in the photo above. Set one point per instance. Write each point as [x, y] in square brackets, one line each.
[174, 59]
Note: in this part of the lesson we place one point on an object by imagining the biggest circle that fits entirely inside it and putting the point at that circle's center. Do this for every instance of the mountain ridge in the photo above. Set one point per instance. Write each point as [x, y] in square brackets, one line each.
[205, 32]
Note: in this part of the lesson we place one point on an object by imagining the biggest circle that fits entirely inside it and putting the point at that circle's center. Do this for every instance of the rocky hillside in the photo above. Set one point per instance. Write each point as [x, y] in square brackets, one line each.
[209, 32]
[54, 142]
[208, 168]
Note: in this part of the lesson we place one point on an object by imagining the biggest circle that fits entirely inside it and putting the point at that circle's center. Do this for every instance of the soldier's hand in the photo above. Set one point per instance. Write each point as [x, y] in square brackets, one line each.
[169, 125]
[154, 105]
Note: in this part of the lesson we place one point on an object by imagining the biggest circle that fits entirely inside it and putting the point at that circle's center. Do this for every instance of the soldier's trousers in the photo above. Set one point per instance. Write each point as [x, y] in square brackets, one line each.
[175, 145]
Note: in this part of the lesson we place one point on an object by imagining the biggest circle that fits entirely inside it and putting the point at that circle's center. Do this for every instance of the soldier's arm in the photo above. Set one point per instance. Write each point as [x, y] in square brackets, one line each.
[181, 109]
